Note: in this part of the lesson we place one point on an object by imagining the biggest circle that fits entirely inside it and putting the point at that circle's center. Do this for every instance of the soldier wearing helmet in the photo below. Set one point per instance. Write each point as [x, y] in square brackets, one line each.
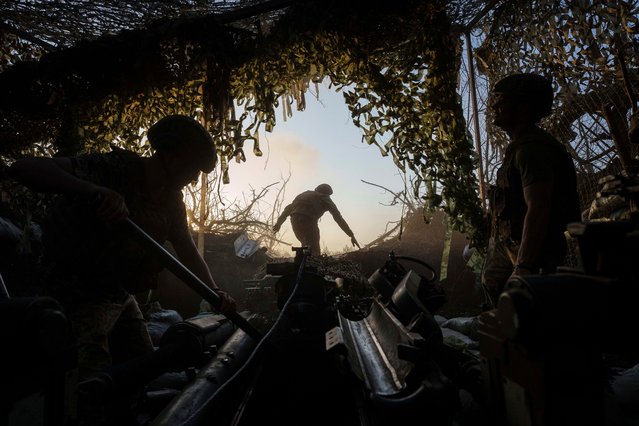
[306, 210]
[535, 195]
[177, 135]
[92, 267]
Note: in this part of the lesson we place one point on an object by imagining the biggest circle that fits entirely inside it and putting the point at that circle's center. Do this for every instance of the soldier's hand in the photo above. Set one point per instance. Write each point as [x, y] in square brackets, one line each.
[276, 228]
[355, 243]
[520, 270]
[228, 305]
[110, 206]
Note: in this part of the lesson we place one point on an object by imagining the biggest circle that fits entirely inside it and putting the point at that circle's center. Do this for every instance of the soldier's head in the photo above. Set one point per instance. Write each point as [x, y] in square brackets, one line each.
[524, 96]
[324, 188]
[184, 146]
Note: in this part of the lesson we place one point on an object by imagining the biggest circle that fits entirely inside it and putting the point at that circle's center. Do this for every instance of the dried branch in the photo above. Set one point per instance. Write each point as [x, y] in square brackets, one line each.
[249, 212]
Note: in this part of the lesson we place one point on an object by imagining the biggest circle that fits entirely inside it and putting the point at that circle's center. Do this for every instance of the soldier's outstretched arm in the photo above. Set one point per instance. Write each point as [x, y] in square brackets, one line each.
[49, 175]
[280, 220]
[337, 216]
[55, 175]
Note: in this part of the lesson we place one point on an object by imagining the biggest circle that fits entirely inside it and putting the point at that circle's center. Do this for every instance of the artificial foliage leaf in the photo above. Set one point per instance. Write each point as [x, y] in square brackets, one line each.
[396, 64]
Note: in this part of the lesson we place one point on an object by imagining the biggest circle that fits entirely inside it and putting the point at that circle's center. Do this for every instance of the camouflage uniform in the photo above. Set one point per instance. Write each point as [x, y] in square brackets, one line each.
[93, 268]
[305, 211]
[533, 157]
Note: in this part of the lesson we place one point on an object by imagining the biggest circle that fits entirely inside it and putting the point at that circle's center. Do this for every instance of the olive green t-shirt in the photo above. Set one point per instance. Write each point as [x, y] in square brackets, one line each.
[87, 258]
[536, 156]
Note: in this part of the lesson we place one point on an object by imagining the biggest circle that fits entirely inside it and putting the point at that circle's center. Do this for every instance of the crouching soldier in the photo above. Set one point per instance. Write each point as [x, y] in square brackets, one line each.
[91, 265]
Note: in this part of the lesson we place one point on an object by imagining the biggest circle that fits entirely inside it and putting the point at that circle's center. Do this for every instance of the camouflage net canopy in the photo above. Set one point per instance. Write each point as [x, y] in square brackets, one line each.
[590, 49]
[77, 76]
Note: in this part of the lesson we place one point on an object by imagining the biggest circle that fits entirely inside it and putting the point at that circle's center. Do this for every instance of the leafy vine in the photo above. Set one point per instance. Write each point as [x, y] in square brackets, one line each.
[396, 64]
[402, 97]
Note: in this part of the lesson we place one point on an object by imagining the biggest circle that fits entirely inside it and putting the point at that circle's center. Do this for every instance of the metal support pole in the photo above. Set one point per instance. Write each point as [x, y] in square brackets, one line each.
[473, 95]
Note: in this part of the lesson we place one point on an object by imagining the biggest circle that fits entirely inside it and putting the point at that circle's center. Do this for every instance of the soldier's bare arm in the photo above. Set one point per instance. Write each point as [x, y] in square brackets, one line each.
[538, 197]
[55, 175]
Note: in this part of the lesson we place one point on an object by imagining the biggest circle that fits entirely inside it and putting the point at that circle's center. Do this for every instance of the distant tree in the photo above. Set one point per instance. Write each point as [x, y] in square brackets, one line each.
[209, 210]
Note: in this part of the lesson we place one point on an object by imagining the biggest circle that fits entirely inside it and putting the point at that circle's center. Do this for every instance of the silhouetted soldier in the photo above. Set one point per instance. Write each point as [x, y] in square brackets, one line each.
[536, 191]
[306, 210]
[91, 265]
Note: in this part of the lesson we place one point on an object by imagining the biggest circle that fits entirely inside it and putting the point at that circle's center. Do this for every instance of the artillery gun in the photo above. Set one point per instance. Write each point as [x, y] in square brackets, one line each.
[334, 358]
[333, 354]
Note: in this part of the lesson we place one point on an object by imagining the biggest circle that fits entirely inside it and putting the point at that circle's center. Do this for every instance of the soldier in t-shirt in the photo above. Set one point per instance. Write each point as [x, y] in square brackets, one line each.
[535, 195]
[306, 210]
[92, 266]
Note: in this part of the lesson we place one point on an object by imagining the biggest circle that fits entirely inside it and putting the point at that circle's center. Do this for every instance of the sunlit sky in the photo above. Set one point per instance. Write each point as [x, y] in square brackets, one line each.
[322, 145]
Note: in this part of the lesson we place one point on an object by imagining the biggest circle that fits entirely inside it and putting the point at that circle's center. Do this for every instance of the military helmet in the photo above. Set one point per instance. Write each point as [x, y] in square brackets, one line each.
[324, 188]
[174, 133]
[533, 89]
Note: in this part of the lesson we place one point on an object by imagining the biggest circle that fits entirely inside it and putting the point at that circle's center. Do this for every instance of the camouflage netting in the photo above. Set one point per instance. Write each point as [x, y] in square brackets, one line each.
[583, 46]
[77, 76]
[231, 67]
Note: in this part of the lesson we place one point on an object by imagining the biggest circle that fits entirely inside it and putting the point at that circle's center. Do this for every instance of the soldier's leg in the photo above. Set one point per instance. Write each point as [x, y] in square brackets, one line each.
[309, 237]
[303, 229]
[299, 225]
[130, 337]
[497, 269]
[92, 323]
[314, 240]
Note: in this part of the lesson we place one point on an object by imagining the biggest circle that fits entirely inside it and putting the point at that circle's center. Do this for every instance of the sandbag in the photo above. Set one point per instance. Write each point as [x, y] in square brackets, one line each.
[464, 325]
[458, 340]
[159, 320]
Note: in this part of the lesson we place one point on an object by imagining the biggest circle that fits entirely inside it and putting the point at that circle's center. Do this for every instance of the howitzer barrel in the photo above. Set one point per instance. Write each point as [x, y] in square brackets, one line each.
[192, 406]
[182, 346]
